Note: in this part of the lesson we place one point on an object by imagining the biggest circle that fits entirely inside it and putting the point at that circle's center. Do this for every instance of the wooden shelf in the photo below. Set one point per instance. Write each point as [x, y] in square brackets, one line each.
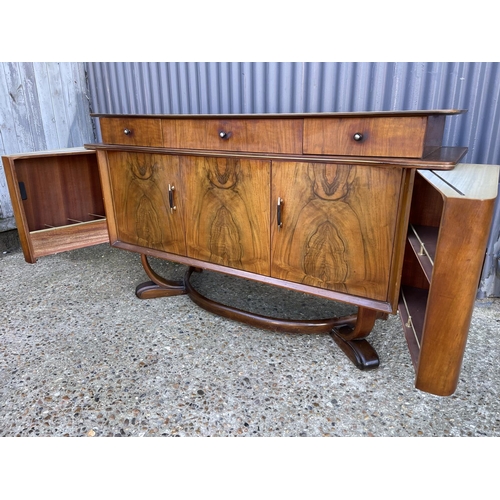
[412, 307]
[423, 240]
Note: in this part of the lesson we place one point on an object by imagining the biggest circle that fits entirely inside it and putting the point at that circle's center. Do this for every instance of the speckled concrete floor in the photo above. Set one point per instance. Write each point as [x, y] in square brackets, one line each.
[80, 355]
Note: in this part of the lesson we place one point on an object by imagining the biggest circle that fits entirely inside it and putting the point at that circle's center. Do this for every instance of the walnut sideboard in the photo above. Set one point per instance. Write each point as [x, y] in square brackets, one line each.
[363, 208]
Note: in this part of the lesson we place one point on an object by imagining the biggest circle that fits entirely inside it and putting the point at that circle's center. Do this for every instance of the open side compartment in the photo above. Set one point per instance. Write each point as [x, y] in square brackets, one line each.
[420, 253]
[57, 201]
[448, 228]
[413, 302]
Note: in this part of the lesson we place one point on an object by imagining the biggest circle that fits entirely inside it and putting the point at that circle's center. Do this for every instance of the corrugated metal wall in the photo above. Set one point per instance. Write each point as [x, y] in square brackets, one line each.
[260, 87]
[42, 106]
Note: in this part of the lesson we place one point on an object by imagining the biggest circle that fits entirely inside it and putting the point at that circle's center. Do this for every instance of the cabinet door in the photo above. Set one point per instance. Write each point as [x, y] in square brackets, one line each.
[228, 212]
[148, 209]
[57, 200]
[338, 226]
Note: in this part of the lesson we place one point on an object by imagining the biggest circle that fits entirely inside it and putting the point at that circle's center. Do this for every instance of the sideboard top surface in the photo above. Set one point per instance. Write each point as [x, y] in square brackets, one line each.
[350, 114]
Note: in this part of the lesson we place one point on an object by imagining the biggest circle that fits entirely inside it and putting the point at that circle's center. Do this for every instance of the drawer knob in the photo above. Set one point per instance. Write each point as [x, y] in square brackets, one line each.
[127, 131]
[224, 135]
[358, 136]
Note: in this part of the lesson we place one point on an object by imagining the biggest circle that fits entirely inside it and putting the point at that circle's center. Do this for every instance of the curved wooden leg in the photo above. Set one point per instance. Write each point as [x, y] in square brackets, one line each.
[348, 332]
[158, 286]
[351, 339]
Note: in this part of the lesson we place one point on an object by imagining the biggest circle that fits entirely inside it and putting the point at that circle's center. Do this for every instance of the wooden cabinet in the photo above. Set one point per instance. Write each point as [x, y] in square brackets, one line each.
[448, 231]
[57, 200]
[354, 207]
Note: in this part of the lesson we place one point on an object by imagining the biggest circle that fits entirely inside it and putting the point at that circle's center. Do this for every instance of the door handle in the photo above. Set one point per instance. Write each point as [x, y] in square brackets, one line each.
[171, 198]
[279, 213]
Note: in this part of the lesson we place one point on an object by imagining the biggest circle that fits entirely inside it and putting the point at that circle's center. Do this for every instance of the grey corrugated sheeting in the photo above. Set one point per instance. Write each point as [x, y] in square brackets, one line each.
[261, 87]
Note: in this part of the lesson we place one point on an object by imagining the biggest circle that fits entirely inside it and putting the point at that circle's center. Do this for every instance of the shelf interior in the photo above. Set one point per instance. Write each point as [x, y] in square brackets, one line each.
[420, 252]
[423, 241]
[60, 191]
[413, 301]
[412, 306]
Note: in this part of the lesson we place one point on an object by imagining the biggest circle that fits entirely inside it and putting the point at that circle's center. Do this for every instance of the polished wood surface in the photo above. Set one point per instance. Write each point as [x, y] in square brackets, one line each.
[131, 131]
[227, 209]
[427, 203]
[338, 226]
[260, 321]
[441, 159]
[295, 202]
[450, 221]
[448, 315]
[256, 135]
[404, 204]
[378, 305]
[66, 238]
[325, 114]
[60, 190]
[290, 200]
[57, 200]
[386, 136]
[141, 186]
[351, 338]
[409, 136]
[158, 286]
[476, 182]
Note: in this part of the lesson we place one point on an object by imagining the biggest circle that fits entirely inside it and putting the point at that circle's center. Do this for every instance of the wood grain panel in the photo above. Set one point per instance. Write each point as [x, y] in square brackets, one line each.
[387, 136]
[457, 210]
[453, 289]
[228, 209]
[140, 192]
[338, 228]
[17, 205]
[466, 180]
[61, 189]
[253, 135]
[63, 239]
[142, 131]
[427, 204]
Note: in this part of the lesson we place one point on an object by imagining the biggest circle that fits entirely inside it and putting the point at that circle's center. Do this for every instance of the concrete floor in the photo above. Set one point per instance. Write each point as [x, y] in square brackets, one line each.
[80, 355]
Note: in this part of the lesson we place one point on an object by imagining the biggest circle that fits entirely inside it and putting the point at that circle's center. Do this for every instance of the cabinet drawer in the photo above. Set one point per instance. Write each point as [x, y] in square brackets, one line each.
[131, 131]
[410, 137]
[249, 135]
